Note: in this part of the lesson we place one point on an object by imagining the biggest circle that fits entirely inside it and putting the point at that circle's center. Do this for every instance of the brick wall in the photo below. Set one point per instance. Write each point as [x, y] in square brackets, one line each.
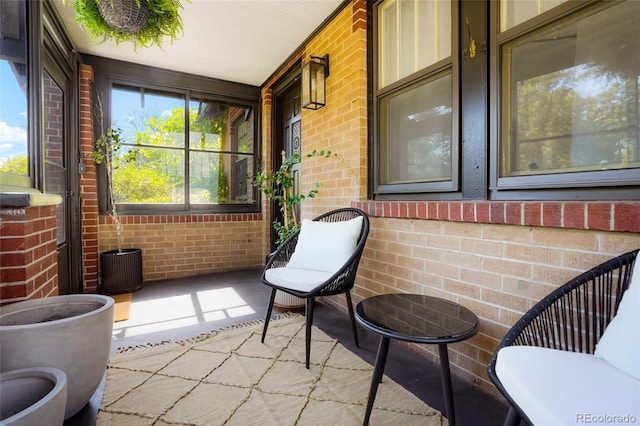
[496, 258]
[186, 245]
[28, 256]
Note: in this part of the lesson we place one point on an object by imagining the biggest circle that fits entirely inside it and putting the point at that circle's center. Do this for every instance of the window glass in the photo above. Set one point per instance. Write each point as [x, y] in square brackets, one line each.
[514, 12]
[159, 164]
[411, 36]
[571, 95]
[13, 88]
[415, 133]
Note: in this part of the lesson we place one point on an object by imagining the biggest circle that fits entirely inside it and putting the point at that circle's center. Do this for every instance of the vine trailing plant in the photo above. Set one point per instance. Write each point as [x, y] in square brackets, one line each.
[163, 21]
[279, 187]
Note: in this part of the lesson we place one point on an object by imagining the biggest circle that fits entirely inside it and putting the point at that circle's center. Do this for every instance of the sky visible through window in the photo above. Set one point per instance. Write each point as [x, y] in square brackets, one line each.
[13, 115]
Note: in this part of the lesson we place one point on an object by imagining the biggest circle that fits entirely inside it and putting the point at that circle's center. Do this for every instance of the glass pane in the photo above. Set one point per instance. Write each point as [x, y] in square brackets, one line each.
[147, 117]
[514, 12]
[55, 176]
[13, 88]
[572, 96]
[215, 126]
[220, 178]
[412, 35]
[155, 175]
[415, 136]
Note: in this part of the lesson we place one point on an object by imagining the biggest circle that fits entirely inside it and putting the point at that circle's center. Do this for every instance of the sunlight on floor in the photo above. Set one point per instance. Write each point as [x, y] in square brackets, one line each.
[168, 313]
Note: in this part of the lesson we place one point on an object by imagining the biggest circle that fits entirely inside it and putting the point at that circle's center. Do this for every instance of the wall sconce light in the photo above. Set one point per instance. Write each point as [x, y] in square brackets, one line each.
[314, 73]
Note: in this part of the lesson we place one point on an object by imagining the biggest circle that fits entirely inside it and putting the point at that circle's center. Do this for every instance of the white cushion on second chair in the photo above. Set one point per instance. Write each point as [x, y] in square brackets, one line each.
[555, 387]
[302, 280]
[620, 343]
[325, 246]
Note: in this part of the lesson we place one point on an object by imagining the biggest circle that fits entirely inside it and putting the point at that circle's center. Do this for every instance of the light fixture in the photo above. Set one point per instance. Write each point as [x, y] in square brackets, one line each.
[314, 72]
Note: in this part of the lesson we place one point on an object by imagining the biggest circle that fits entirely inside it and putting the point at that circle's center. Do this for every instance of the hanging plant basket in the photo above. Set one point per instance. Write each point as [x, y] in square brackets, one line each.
[143, 22]
[125, 15]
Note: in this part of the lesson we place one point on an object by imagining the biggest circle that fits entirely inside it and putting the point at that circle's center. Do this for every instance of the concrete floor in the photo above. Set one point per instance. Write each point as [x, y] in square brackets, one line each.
[177, 309]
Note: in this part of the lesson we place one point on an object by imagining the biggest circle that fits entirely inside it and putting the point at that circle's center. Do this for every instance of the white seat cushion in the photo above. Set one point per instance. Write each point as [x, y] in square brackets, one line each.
[556, 387]
[620, 343]
[302, 280]
[325, 246]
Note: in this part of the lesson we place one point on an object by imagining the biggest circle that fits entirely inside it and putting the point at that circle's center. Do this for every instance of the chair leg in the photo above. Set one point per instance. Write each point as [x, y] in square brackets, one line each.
[513, 418]
[353, 318]
[309, 315]
[268, 317]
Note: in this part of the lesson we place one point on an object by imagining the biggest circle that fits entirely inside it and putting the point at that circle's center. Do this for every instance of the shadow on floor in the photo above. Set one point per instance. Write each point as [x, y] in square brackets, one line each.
[176, 309]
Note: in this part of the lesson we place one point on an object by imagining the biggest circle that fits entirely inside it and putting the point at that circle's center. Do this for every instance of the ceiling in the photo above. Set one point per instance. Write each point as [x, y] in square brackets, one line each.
[243, 41]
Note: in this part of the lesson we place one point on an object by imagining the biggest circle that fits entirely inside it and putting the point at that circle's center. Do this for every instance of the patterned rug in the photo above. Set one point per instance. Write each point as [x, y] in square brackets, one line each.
[230, 378]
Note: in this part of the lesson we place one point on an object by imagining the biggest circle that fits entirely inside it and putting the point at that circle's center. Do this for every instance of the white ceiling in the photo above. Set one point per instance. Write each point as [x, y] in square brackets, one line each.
[243, 41]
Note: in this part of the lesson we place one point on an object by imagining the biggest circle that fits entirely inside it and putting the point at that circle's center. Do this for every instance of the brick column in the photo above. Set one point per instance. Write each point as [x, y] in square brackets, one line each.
[28, 253]
[88, 184]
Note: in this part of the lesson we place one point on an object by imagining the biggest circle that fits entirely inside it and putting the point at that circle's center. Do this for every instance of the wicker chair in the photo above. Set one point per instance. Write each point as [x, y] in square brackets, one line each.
[572, 318]
[332, 283]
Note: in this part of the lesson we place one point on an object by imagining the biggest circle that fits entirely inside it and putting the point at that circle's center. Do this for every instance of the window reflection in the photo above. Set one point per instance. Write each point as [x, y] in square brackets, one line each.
[13, 87]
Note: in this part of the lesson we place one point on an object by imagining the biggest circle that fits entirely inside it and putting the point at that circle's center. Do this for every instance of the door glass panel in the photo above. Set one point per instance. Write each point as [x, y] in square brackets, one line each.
[13, 88]
[55, 176]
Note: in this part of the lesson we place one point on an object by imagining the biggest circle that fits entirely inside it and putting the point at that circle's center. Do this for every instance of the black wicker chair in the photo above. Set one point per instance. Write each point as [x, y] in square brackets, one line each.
[572, 318]
[341, 281]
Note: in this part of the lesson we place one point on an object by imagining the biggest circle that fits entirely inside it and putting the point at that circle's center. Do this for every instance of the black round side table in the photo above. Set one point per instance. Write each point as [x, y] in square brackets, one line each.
[418, 319]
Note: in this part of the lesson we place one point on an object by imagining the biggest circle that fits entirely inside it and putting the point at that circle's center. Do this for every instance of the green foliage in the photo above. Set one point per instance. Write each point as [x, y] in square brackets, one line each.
[140, 185]
[163, 21]
[17, 164]
[279, 187]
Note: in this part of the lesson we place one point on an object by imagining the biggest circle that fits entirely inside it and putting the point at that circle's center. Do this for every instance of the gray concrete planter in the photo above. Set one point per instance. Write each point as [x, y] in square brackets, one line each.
[31, 396]
[71, 333]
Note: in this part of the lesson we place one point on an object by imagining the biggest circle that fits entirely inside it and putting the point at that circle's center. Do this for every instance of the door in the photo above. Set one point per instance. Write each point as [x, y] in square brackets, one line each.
[59, 177]
[288, 136]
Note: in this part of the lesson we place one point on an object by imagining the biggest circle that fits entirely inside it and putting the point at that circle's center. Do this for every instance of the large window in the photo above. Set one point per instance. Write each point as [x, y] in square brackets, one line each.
[416, 103]
[181, 150]
[569, 103]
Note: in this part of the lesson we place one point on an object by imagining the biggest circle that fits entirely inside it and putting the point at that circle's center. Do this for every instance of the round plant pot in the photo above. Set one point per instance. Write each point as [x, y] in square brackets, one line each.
[71, 333]
[287, 301]
[125, 15]
[30, 396]
[121, 272]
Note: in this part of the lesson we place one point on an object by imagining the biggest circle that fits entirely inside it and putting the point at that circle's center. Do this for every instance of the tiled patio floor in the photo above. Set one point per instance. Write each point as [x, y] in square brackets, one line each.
[176, 309]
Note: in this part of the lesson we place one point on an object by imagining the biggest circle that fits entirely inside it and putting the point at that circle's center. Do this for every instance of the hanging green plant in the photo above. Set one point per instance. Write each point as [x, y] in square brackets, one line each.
[142, 22]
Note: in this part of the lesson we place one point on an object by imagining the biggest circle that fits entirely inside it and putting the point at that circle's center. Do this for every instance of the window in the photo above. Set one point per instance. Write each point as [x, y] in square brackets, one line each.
[181, 151]
[14, 129]
[569, 102]
[416, 105]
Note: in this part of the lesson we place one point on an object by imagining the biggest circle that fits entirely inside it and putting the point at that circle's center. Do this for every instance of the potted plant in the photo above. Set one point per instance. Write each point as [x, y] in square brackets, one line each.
[278, 186]
[120, 269]
[142, 22]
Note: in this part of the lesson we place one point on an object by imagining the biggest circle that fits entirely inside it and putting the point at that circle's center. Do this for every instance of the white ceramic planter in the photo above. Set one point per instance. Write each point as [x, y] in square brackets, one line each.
[33, 396]
[71, 333]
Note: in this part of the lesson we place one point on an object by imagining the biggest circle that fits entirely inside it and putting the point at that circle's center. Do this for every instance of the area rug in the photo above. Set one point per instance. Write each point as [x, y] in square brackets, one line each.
[122, 307]
[230, 378]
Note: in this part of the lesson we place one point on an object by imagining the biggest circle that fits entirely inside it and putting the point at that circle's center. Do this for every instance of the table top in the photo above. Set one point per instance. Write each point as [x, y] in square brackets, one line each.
[417, 318]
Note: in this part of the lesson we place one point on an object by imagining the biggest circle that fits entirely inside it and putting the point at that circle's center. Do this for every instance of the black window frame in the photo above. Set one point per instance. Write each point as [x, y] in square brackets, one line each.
[588, 185]
[108, 72]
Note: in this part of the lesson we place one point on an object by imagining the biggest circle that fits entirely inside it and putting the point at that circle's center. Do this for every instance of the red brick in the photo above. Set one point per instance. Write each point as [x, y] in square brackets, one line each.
[483, 212]
[443, 210]
[455, 211]
[574, 215]
[532, 214]
[412, 210]
[599, 216]
[497, 213]
[552, 215]
[627, 217]
[13, 244]
[432, 210]
[468, 213]
[12, 291]
[422, 211]
[12, 275]
[12, 229]
[514, 213]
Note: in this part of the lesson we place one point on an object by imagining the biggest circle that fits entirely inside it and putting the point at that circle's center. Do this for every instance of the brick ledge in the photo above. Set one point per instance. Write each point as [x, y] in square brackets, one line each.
[619, 216]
